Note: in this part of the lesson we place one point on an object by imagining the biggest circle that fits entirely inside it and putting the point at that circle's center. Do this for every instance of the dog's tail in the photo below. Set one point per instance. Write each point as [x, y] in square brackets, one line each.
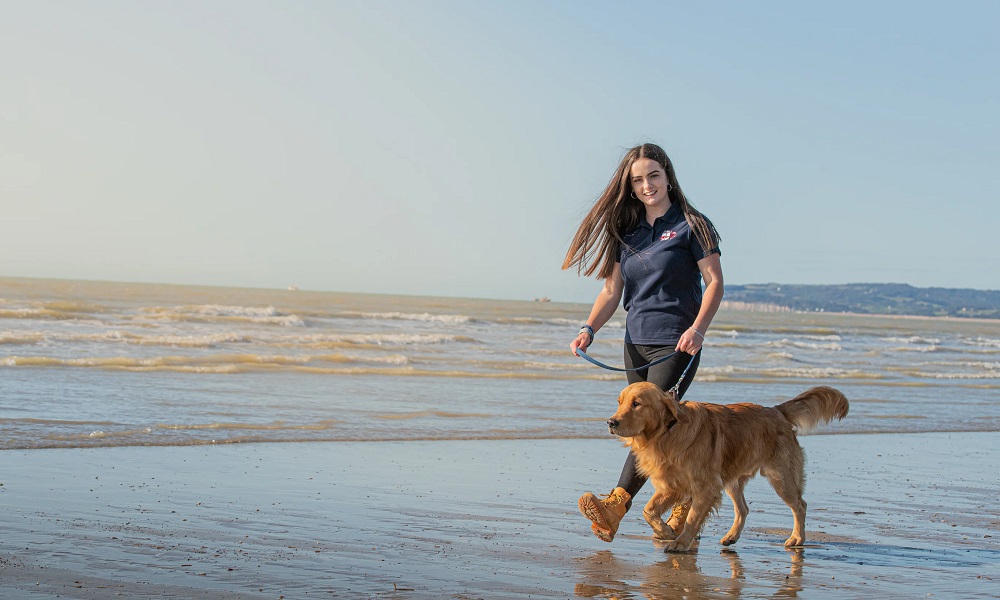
[820, 404]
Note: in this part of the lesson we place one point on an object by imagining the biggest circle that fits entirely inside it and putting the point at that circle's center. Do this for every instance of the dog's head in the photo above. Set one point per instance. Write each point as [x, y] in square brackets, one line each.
[643, 408]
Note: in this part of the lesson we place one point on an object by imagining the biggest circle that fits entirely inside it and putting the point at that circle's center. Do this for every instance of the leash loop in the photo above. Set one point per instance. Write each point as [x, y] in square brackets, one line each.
[674, 389]
[594, 361]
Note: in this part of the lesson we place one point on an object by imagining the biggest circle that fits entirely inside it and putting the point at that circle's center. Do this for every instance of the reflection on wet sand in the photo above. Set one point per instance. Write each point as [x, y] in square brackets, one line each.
[602, 575]
[793, 581]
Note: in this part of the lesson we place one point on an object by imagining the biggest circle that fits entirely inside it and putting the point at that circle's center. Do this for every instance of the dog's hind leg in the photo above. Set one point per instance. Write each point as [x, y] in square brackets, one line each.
[788, 480]
[740, 510]
[653, 513]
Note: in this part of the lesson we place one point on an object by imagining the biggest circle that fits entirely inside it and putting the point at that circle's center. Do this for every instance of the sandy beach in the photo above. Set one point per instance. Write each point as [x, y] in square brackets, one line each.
[890, 516]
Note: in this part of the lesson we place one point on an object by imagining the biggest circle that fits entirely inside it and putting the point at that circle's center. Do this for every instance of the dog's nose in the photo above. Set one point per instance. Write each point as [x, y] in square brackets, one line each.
[613, 423]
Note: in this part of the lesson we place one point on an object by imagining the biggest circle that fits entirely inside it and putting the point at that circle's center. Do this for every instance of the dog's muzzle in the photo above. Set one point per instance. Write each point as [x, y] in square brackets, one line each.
[613, 425]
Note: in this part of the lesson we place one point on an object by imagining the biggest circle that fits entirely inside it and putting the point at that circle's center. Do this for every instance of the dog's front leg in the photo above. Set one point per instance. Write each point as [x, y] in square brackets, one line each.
[653, 513]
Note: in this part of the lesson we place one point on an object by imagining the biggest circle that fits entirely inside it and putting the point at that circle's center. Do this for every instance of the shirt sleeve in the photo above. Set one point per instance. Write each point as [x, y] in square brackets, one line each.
[696, 248]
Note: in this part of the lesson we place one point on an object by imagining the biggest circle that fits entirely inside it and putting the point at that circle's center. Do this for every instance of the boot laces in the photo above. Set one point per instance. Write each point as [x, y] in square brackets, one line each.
[612, 499]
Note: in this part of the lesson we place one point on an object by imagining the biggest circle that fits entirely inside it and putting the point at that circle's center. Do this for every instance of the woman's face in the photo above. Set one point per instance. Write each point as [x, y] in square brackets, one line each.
[649, 183]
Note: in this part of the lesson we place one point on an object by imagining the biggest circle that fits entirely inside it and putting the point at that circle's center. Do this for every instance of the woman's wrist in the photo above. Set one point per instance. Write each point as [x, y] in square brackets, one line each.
[585, 328]
[700, 334]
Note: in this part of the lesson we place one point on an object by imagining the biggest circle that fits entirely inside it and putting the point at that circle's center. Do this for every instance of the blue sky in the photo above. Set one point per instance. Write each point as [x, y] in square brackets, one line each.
[452, 147]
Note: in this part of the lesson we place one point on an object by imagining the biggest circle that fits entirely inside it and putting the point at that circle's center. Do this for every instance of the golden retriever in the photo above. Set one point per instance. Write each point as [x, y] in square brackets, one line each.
[691, 451]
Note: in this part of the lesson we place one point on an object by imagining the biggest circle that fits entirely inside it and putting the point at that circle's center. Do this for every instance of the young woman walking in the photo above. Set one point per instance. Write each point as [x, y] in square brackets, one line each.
[653, 250]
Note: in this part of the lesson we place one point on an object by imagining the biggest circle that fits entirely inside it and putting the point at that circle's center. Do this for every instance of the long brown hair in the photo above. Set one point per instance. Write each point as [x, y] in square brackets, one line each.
[598, 241]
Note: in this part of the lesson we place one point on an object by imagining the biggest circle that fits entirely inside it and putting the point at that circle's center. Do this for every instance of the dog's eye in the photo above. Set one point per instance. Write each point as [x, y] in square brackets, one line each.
[635, 404]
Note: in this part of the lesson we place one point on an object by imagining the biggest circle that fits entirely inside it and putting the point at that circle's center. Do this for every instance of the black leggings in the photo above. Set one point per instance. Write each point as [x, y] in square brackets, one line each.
[664, 375]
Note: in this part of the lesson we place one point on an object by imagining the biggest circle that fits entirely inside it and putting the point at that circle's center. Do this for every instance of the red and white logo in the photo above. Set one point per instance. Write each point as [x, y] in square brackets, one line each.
[668, 235]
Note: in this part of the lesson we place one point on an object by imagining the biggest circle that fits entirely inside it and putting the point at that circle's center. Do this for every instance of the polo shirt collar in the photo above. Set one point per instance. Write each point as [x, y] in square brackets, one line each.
[672, 216]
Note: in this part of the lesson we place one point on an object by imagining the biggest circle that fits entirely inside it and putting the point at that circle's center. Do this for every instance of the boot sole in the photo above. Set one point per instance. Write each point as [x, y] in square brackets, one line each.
[588, 508]
[601, 534]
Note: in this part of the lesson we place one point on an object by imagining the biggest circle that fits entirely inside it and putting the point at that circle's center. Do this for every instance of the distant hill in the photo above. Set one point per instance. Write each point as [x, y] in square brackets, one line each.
[871, 298]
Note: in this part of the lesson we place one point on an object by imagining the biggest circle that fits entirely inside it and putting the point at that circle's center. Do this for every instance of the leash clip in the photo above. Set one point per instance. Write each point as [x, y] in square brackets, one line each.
[677, 386]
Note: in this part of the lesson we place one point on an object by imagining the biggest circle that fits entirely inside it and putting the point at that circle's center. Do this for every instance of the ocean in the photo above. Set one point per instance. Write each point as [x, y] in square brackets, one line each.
[93, 364]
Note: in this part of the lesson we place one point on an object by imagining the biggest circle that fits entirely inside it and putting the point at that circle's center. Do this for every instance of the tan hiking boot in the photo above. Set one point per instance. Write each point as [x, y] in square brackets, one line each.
[605, 513]
[678, 516]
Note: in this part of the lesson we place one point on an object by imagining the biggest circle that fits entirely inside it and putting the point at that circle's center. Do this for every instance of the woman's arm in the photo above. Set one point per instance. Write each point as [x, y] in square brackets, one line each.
[604, 307]
[711, 271]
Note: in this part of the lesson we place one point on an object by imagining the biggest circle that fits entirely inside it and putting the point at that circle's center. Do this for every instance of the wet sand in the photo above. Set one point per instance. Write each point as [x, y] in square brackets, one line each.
[890, 516]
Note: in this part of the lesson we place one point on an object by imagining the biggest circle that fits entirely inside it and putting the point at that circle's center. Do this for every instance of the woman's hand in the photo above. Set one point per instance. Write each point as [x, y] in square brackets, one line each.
[581, 342]
[691, 341]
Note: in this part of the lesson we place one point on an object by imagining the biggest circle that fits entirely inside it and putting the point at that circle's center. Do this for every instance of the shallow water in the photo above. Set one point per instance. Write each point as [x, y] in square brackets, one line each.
[87, 364]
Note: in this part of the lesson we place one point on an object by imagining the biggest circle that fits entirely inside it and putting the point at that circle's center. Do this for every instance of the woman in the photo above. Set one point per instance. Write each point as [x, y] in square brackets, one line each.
[652, 248]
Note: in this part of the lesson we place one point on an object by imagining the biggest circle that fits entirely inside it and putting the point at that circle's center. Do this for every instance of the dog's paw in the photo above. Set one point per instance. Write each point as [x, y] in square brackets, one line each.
[664, 536]
[661, 531]
[795, 542]
[678, 546]
[729, 540]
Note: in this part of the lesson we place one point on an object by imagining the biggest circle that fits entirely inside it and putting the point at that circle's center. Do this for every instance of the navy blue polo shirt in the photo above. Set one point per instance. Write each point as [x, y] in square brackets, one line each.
[662, 291]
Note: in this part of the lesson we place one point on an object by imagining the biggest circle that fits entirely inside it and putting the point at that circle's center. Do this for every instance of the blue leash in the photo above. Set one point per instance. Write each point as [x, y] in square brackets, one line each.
[677, 385]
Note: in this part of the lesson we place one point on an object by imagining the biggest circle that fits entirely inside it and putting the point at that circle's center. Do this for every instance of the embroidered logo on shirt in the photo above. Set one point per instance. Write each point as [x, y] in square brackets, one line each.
[668, 235]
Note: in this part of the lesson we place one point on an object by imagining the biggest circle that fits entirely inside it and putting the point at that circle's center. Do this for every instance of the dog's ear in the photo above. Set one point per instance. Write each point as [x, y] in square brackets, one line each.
[670, 400]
